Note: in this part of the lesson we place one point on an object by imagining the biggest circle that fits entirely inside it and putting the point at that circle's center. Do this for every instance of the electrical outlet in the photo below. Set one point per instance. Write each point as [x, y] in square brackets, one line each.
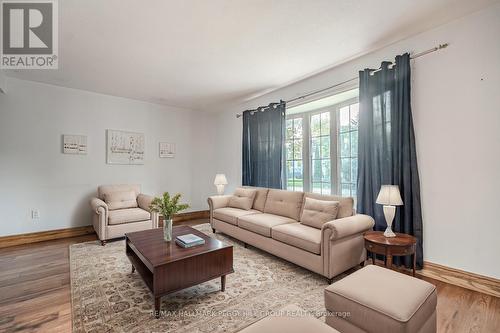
[35, 214]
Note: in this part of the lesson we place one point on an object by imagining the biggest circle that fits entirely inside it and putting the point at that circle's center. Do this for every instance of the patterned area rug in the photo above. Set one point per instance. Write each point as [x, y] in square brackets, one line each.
[107, 297]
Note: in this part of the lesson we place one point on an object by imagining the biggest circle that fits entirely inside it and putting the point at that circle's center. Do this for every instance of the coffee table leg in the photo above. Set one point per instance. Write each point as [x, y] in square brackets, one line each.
[373, 258]
[223, 283]
[133, 268]
[157, 306]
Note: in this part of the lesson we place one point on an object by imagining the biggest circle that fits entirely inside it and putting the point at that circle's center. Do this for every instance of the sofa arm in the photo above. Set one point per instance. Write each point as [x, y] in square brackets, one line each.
[343, 243]
[99, 206]
[99, 217]
[218, 201]
[144, 201]
[348, 226]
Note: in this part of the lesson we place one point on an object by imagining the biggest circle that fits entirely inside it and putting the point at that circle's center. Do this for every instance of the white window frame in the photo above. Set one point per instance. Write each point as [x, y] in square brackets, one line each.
[335, 176]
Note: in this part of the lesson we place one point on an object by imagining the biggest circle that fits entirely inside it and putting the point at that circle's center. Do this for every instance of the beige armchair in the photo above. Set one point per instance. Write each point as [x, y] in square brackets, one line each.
[119, 209]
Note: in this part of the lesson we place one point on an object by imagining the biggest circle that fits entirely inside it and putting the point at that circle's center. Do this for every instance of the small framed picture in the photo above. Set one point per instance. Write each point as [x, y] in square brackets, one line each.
[167, 150]
[75, 144]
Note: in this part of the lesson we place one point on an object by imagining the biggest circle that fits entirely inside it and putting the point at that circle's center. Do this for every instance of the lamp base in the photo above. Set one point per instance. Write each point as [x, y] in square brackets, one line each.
[389, 233]
[389, 212]
[220, 189]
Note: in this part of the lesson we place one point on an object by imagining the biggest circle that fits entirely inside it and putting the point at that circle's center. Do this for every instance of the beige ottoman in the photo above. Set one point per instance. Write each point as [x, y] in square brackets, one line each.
[292, 320]
[380, 300]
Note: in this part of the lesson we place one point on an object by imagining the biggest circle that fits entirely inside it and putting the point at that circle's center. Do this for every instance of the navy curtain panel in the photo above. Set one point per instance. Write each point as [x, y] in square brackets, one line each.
[386, 151]
[263, 142]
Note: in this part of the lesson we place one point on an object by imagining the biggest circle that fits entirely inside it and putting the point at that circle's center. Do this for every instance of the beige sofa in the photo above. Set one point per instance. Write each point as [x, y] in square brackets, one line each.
[275, 222]
[119, 209]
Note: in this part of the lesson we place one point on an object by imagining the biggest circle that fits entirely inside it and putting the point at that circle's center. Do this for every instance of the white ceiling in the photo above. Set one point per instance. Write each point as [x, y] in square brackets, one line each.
[195, 53]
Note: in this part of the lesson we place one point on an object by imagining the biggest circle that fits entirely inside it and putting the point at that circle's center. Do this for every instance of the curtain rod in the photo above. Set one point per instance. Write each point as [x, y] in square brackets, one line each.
[434, 49]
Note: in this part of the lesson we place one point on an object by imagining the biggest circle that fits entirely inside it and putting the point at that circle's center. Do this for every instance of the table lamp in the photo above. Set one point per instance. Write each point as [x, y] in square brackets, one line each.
[390, 197]
[219, 182]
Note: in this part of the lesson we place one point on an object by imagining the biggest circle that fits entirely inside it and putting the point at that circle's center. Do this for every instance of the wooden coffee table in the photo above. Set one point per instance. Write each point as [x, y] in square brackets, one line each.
[166, 267]
[401, 245]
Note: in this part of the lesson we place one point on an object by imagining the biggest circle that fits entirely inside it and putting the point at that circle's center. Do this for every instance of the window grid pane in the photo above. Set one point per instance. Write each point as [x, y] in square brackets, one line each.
[349, 116]
[294, 166]
[320, 153]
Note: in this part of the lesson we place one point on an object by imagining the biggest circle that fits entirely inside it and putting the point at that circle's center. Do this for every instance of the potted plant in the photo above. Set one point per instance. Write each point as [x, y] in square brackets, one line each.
[167, 206]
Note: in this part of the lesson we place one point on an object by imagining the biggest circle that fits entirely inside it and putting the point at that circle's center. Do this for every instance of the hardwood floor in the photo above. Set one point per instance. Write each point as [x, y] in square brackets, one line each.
[35, 292]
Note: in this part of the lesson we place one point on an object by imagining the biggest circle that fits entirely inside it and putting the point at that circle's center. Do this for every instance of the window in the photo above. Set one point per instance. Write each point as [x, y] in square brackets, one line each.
[320, 153]
[294, 143]
[348, 155]
[322, 145]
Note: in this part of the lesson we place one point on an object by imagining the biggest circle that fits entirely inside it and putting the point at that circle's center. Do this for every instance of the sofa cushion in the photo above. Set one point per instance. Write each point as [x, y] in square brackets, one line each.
[120, 200]
[260, 197]
[230, 214]
[242, 198]
[284, 203]
[298, 235]
[373, 297]
[262, 223]
[318, 212]
[128, 215]
[346, 204]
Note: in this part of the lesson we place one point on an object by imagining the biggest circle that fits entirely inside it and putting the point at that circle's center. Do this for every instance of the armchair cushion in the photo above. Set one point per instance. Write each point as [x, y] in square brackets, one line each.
[120, 200]
[318, 212]
[299, 235]
[242, 198]
[128, 215]
[103, 189]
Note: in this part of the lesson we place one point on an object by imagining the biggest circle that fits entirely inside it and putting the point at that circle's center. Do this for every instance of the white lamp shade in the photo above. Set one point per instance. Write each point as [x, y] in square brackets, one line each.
[220, 179]
[389, 195]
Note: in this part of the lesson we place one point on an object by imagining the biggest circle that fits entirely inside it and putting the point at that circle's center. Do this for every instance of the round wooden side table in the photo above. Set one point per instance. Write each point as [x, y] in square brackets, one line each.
[401, 245]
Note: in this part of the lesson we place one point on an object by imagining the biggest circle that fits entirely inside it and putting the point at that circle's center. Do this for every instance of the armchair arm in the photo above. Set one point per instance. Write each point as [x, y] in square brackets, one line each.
[98, 206]
[348, 226]
[218, 201]
[144, 201]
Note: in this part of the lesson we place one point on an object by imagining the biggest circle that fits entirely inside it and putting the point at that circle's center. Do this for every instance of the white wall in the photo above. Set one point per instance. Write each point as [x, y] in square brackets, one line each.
[456, 111]
[2, 82]
[35, 174]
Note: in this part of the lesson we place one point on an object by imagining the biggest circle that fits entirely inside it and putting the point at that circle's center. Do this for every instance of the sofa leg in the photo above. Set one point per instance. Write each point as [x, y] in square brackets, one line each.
[362, 264]
[103, 242]
[329, 280]
[245, 245]
[213, 230]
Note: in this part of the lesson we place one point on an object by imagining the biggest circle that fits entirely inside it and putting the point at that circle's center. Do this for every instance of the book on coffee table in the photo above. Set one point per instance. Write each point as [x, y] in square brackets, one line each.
[189, 240]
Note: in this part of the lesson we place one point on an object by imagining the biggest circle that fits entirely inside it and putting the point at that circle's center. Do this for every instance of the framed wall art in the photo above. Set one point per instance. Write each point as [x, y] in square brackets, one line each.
[124, 147]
